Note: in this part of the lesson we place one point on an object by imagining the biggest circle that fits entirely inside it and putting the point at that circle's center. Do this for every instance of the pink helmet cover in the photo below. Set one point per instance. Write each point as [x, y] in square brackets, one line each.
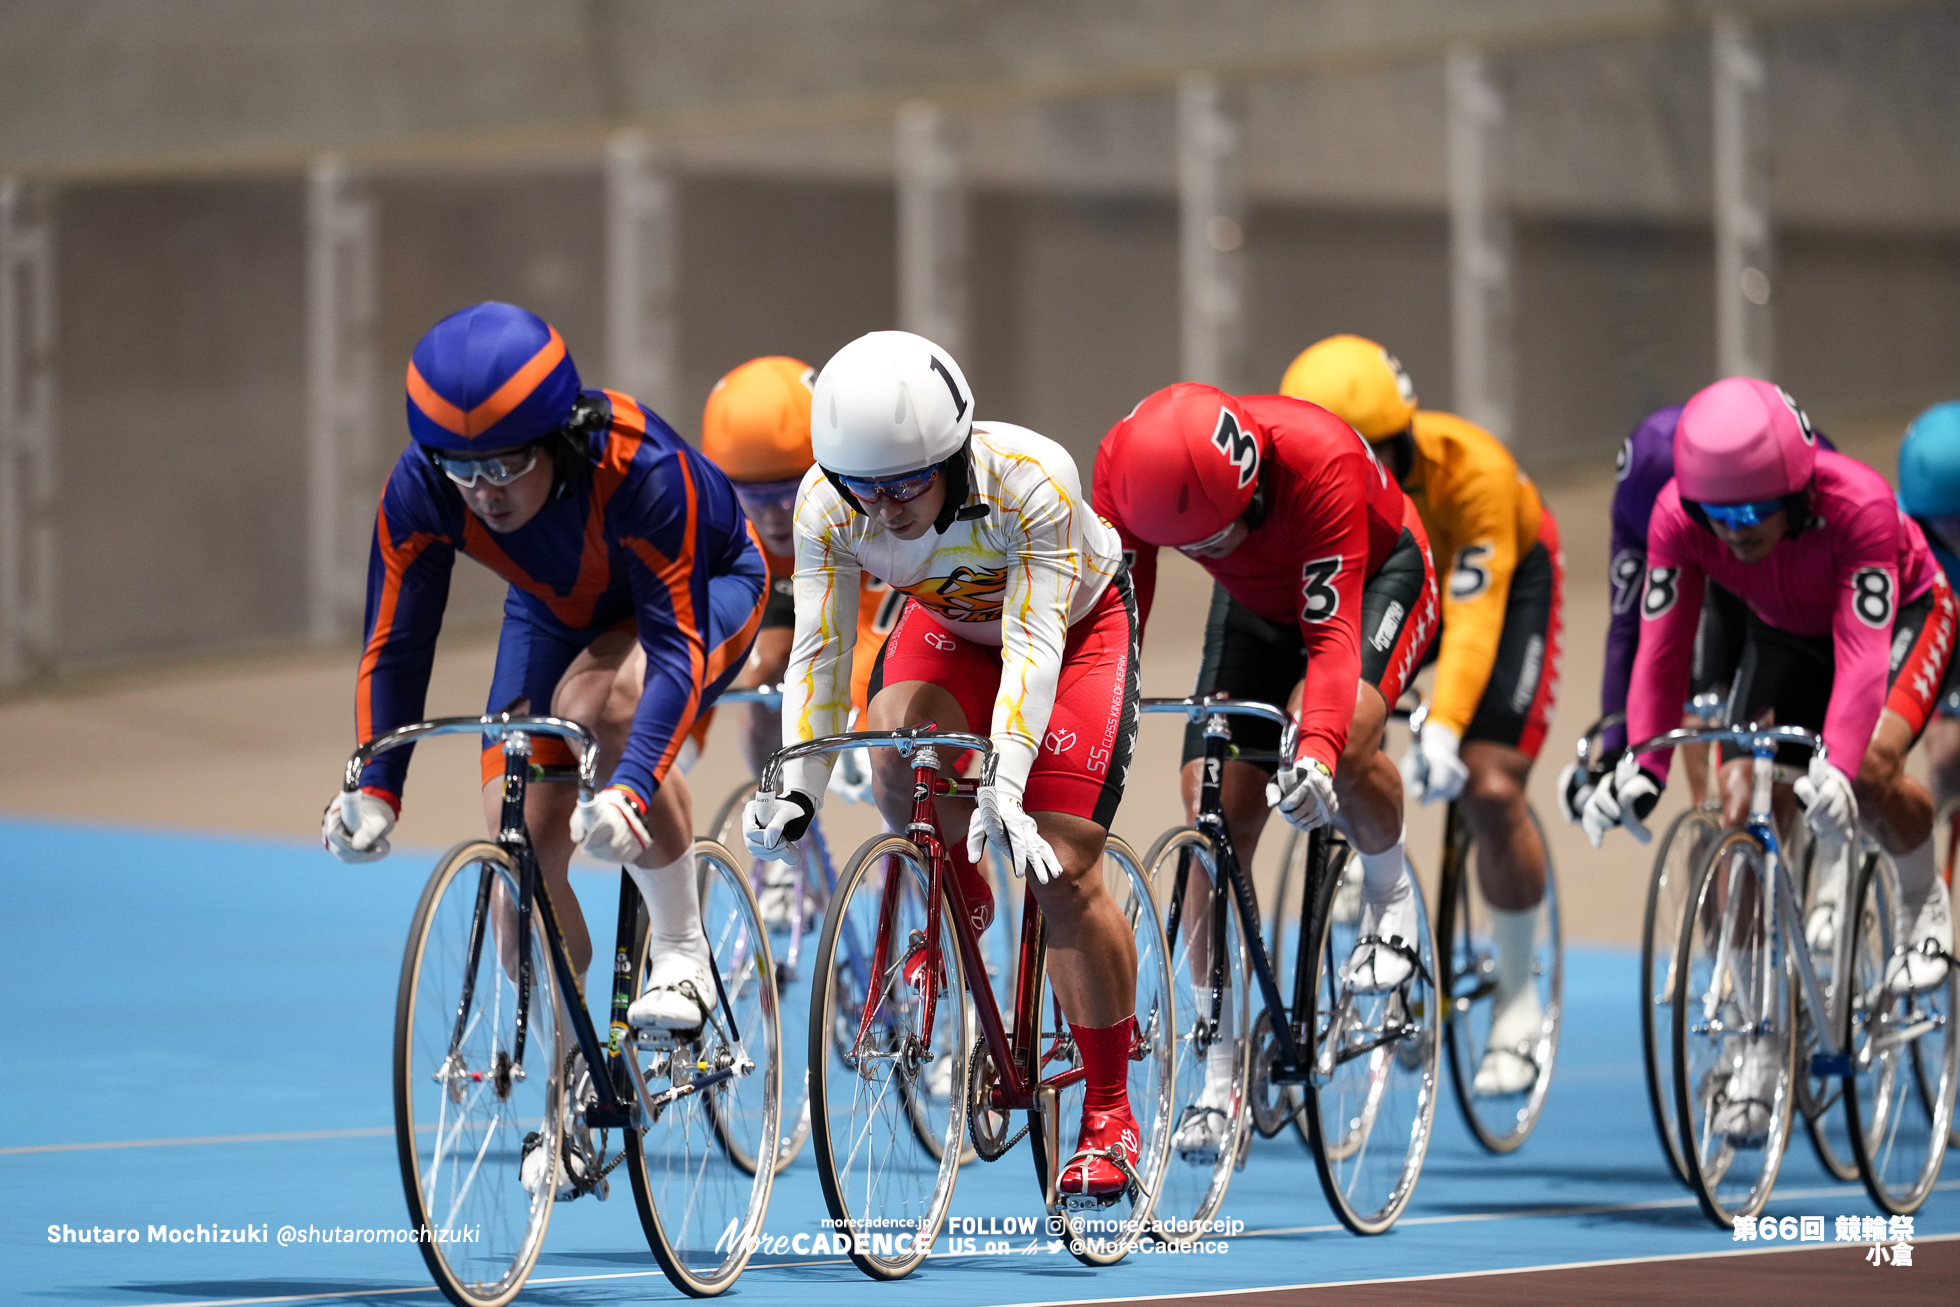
[1742, 441]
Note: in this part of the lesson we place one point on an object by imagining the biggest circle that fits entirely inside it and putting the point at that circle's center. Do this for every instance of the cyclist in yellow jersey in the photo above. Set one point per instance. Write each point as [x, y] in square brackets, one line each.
[1496, 550]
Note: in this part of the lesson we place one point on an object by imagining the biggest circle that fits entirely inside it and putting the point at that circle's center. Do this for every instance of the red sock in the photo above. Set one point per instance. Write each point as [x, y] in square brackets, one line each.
[1106, 1062]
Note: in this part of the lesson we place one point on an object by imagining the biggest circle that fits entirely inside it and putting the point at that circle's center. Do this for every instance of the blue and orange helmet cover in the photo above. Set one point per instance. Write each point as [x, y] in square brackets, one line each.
[488, 377]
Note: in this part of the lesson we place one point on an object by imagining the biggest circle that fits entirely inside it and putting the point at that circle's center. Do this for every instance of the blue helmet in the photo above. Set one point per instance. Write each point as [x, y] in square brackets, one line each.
[1929, 463]
[491, 376]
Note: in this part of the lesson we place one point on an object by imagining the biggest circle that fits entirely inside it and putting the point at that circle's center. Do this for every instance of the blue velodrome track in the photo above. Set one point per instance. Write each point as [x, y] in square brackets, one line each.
[197, 1032]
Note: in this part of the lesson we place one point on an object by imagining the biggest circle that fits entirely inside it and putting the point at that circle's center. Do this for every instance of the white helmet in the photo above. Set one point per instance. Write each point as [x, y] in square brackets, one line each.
[889, 403]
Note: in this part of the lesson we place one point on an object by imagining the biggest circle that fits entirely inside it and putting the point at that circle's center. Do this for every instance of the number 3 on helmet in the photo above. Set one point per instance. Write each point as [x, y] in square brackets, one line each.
[1184, 464]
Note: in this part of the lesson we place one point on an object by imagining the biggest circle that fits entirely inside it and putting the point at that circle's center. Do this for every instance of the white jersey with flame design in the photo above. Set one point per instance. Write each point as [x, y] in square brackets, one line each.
[1018, 577]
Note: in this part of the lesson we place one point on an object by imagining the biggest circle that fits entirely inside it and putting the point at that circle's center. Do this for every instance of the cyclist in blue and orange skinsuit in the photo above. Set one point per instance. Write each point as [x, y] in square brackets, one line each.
[636, 588]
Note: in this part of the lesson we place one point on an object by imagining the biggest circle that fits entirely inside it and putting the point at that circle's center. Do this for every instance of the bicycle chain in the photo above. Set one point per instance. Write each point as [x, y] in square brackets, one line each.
[977, 1108]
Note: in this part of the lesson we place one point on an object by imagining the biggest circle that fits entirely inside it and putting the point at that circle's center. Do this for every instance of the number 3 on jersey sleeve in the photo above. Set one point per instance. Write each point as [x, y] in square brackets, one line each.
[1319, 599]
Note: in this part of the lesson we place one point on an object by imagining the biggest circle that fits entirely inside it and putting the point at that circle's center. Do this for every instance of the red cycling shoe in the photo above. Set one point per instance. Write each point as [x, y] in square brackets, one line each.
[1090, 1171]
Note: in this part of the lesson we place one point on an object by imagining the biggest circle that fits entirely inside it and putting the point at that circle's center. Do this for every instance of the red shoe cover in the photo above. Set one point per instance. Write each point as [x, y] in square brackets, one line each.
[1087, 1172]
[1106, 1064]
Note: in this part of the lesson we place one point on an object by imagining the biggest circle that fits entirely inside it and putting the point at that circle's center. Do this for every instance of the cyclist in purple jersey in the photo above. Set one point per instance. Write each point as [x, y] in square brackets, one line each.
[1646, 464]
[636, 588]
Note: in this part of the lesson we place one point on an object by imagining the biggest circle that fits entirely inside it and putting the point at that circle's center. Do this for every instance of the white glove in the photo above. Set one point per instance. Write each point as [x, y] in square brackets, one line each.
[1575, 786]
[1304, 794]
[608, 827]
[773, 823]
[1830, 806]
[850, 779]
[1431, 768]
[999, 821]
[1622, 799]
[355, 827]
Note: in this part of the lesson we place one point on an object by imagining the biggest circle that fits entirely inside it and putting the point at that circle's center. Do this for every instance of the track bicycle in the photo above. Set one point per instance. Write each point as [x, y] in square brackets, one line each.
[1746, 982]
[493, 1050]
[1688, 840]
[792, 899]
[1354, 1072]
[898, 950]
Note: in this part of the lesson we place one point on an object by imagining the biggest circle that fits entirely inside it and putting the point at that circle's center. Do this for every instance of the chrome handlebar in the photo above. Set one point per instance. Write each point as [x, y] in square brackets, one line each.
[1749, 737]
[1196, 710]
[516, 733]
[923, 736]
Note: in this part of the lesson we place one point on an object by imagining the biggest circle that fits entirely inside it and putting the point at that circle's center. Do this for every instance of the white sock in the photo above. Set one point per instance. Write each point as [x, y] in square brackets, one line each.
[1918, 869]
[1222, 1057]
[1517, 937]
[673, 900]
[1381, 873]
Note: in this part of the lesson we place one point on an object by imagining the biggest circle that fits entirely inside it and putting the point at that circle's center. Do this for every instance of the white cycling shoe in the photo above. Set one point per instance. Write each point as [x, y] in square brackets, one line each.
[1201, 1131]
[1928, 945]
[1510, 1064]
[1743, 1115]
[680, 994]
[1377, 965]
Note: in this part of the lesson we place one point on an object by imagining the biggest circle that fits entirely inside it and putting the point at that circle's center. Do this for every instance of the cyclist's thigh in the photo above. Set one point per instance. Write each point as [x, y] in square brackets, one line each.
[1247, 657]
[1718, 641]
[1400, 615]
[1922, 679]
[1085, 753]
[925, 673]
[1518, 700]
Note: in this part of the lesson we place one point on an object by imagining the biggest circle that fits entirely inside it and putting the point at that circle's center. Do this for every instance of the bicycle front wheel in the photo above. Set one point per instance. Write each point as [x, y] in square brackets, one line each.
[1688, 841]
[791, 901]
[1372, 1100]
[1211, 1039]
[1469, 949]
[479, 1077]
[869, 1046]
[1903, 1051]
[1102, 1234]
[1733, 1011]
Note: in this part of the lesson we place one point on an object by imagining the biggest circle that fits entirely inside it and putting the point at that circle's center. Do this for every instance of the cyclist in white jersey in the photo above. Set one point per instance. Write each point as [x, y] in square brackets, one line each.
[1020, 622]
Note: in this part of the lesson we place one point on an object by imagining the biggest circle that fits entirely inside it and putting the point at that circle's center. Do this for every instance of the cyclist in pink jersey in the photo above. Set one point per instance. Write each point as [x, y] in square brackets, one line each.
[1851, 632]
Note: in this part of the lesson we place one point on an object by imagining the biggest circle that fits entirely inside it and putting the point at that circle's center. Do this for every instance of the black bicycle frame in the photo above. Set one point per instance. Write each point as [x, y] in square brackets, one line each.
[1289, 1065]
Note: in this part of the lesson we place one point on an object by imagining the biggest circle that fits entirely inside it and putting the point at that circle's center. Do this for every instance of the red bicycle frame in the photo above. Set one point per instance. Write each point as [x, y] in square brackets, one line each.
[1013, 1052]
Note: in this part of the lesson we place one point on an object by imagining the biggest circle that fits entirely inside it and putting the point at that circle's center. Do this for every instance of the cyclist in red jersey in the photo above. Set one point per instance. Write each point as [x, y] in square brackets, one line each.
[1323, 588]
[1851, 630]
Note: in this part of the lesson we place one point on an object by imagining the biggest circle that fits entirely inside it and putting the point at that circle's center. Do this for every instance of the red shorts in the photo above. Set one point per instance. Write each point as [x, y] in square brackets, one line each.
[1092, 732]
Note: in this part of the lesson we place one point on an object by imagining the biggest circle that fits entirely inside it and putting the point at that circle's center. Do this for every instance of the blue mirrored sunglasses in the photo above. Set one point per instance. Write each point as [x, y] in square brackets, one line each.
[1737, 516]
[898, 489]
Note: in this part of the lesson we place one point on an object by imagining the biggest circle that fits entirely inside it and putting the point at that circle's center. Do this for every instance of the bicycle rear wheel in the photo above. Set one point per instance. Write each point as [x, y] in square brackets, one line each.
[1904, 1053]
[1102, 1234]
[1208, 1122]
[880, 1182]
[1733, 1011]
[478, 1074]
[791, 901]
[1468, 947]
[1372, 1101]
[717, 1092]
